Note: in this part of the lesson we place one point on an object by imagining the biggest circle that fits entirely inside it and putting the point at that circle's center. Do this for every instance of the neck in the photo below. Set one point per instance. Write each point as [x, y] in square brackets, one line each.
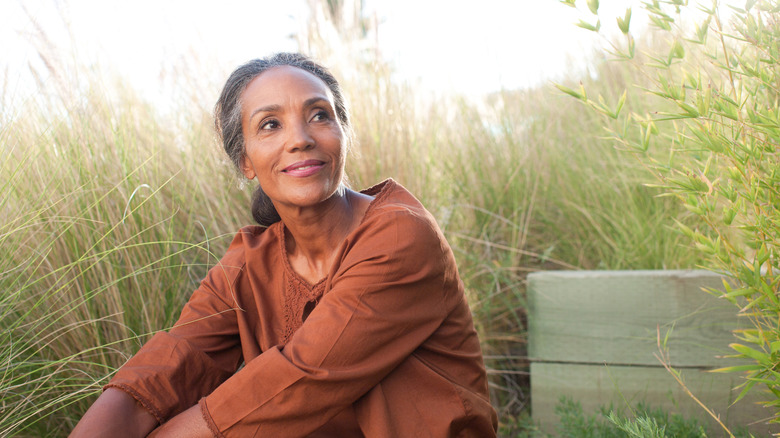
[315, 233]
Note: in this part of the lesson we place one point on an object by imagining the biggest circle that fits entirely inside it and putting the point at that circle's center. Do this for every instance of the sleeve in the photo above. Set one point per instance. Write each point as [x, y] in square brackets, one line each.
[174, 369]
[389, 295]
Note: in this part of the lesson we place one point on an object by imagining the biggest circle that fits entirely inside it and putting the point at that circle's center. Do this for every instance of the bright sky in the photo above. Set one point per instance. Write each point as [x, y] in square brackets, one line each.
[471, 47]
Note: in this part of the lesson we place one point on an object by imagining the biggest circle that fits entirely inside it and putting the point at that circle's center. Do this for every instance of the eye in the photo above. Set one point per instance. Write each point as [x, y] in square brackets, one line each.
[320, 115]
[269, 124]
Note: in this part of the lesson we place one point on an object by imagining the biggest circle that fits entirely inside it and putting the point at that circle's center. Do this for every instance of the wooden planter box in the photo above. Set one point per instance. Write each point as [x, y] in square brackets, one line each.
[593, 336]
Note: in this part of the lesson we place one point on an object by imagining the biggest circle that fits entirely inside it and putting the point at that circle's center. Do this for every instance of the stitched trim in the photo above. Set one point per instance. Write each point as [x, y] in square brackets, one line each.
[296, 295]
[204, 411]
[156, 413]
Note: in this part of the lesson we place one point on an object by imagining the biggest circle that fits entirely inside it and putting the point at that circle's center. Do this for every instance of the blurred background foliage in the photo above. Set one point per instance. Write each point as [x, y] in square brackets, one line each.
[112, 211]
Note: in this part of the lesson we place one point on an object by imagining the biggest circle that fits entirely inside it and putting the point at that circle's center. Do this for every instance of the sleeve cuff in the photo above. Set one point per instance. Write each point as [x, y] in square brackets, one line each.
[149, 406]
[204, 410]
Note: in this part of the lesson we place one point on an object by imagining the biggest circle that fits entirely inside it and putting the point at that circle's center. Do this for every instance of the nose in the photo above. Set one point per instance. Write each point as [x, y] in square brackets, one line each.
[300, 138]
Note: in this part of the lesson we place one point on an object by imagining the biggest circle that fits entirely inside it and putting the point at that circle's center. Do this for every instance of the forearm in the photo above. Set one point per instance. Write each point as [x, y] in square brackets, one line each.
[115, 414]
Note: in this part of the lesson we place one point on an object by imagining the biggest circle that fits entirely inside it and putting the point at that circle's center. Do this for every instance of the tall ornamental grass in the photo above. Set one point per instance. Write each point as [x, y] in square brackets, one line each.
[112, 211]
[104, 233]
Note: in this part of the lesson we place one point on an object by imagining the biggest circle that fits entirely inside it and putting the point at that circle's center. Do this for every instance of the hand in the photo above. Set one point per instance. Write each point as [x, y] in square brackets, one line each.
[188, 424]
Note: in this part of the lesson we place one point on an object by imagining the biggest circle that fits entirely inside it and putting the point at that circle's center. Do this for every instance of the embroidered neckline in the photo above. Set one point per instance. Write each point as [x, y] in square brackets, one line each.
[298, 292]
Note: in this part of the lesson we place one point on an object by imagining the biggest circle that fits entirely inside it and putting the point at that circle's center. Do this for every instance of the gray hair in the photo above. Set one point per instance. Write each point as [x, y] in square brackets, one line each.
[227, 115]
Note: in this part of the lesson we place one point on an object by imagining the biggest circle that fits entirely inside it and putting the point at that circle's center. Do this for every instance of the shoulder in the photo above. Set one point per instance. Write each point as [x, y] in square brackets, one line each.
[253, 238]
[251, 243]
[399, 244]
[394, 202]
[397, 223]
[389, 195]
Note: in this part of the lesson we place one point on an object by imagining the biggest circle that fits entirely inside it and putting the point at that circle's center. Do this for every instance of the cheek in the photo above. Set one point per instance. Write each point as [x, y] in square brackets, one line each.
[258, 152]
[340, 139]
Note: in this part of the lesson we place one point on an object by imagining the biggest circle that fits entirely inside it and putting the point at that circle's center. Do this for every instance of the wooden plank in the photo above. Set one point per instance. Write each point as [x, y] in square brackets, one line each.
[612, 316]
[595, 386]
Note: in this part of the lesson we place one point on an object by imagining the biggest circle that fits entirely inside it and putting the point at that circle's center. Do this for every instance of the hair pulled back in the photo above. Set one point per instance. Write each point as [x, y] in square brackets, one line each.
[227, 115]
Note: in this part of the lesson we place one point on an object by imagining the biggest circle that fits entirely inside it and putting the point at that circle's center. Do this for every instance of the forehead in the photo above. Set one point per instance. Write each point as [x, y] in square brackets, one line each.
[282, 84]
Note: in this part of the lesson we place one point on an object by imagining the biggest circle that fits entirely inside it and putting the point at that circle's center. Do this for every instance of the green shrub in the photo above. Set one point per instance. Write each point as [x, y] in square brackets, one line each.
[712, 141]
[641, 422]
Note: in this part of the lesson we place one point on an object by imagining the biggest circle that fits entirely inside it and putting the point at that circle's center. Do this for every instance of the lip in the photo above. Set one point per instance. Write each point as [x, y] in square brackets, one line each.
[304, 168]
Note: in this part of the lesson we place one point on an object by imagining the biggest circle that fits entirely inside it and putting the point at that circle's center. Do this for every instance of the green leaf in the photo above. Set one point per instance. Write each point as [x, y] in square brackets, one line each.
[692, 80]
[737, 369]
[703, 100]
[727, 109]
[763, 255]
[646, 133]
[748, 386]
[661, 23]
[759, 356]
[741, 292]
[593, 5]
[569, 91]
[677, 50]
[625, 22]
[585, 25]
[728, 215]
[620, 104]
[686, 230]
[702, 30]
[689, 110]
[569, 3]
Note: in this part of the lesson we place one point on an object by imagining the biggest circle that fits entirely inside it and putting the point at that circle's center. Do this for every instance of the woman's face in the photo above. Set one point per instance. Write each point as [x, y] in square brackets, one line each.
[295, 145]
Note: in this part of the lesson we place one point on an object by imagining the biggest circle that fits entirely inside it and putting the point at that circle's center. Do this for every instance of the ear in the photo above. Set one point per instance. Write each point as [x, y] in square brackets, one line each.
[247, 169]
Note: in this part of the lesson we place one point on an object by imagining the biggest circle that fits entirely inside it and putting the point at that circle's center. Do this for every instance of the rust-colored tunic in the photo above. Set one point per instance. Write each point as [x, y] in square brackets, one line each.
[384, 346]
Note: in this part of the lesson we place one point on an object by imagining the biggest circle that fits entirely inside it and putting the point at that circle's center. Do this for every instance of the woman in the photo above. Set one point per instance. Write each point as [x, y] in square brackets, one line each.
[345, 307]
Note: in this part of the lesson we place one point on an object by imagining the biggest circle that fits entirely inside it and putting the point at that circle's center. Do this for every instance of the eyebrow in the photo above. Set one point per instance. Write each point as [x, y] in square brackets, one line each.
[274, 107]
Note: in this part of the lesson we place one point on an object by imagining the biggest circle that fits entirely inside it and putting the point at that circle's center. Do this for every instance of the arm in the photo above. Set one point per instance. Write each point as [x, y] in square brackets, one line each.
[172, 370]
[169, 374]
[115, 414]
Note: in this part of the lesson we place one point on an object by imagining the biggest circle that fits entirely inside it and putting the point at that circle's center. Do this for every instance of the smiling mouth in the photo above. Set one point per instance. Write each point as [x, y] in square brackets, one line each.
[308, 166]
[303, 168]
